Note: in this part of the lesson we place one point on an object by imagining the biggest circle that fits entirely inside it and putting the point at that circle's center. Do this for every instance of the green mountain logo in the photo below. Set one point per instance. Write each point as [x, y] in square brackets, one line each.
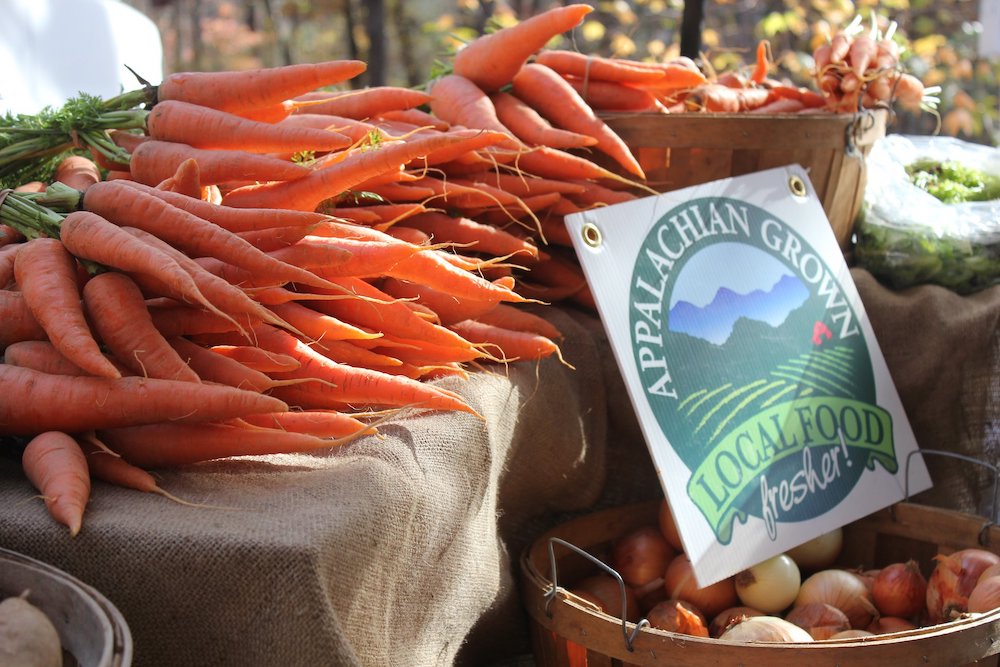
[754, 364]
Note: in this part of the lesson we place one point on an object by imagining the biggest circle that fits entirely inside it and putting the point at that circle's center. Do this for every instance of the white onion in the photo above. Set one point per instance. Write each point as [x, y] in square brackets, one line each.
[766, 629]
[771, 585]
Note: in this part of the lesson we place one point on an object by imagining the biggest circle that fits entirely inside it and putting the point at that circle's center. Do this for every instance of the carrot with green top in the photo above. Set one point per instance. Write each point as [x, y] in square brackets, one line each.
[46, 274]
[492, 60]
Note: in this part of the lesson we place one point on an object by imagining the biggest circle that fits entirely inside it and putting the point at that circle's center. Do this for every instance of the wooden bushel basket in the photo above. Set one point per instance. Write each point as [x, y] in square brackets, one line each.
[567, 633]
[678, 150]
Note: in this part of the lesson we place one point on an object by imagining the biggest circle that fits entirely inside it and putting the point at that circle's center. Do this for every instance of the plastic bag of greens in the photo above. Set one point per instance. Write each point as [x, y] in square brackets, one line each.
[931, 213]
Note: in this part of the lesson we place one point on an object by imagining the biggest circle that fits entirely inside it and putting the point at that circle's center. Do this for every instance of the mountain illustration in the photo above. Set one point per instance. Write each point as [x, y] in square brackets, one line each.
[714, 322]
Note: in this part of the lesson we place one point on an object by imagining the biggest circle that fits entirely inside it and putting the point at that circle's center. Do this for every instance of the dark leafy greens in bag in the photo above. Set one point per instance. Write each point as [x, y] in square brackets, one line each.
[931, 214]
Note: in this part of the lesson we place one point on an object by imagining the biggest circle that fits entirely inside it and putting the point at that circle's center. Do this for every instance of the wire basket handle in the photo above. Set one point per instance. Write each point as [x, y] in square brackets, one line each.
[991, 518]
[550, 595]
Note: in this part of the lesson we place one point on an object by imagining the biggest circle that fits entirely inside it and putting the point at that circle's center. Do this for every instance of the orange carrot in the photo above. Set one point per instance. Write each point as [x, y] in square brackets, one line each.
[523, 185]
[77, 172]
[519, 319]
[553, 97]
[715, 97]
[47, 276]
[186, 180]
[780, 105]
[234, 219]
[123, 205]
[207, 128]
[107, 466]
[250, 89]
[676, 78]
[42, 356]
[9, 235]
[862, 54]
[414, 117]
[347, 384]
[483, 238]
[512, 345]
[598, 68]
[557, 164]
[318, 423]
[319, 327]
[56, 466]
[87, 403]
[307, 193]
[459, 101]
[119, 315]
[253, 357]
[219, 369]
[154, 161]
[612, 96]
[7, 255]
[761, 64]
[18, 322]
[165, 445]
[531, 127]
[365, 102]
[448, 308]
[492, 60]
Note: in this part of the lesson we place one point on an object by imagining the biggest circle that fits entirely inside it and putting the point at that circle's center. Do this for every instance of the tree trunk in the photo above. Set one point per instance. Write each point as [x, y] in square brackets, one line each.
[375, 26]
[353, 53]
[405, 29]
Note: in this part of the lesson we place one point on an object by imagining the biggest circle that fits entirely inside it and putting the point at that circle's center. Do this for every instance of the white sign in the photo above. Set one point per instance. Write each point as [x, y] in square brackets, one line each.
[761, 391]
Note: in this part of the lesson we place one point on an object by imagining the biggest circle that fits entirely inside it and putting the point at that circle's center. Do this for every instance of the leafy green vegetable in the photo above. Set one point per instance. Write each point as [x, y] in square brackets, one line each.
[952, 182]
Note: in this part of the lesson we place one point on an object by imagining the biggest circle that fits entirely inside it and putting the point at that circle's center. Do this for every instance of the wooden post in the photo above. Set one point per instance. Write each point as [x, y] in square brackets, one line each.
[691, 22]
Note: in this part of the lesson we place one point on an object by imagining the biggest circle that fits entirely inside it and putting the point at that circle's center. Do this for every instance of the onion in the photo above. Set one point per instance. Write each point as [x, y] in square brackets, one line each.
[953, 579]
[900, 590]
[727, 617]
[819, 619]
[843, 590]
[986, 595]
[681, 585]
[641, 556]
[607, 589]
[587, 598]
[886, 624]
[989, 572]
[668, 527]
[766, 629]
[852, 634]
[770, 586]
[678, 616]
[820, 552]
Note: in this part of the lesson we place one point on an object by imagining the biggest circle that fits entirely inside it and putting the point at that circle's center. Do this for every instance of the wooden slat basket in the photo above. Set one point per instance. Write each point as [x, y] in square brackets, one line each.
[678, 150]
[568, 633]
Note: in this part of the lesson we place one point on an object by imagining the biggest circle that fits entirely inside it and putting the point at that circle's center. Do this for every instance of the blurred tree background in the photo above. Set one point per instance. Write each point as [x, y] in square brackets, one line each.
[401, 40]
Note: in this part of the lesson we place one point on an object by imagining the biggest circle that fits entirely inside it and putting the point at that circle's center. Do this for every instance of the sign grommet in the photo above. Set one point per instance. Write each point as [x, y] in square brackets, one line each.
[797, 186]
[591, 234]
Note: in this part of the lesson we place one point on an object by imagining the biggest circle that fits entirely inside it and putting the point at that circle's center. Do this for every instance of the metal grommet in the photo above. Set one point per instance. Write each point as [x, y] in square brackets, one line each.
[592, 235]
[797, 186]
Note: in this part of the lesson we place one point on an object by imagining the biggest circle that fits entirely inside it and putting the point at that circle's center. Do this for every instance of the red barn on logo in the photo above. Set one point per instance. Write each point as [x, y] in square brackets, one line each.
[821, 332]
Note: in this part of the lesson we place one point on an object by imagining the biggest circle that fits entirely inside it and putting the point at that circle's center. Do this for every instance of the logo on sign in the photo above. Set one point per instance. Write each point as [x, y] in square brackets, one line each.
[754, 365]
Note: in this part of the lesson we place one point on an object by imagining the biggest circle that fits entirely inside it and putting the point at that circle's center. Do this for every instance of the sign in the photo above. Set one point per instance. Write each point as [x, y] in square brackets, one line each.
[761, 391]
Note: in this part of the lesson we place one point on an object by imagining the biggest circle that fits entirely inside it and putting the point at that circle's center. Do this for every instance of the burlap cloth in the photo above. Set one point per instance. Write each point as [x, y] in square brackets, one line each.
[403, 550]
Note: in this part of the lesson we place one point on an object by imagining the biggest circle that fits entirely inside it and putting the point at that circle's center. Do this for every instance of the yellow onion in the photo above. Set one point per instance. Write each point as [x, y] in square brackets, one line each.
[900, 590]
[728, 617]
[986, 595]
[819, 619]
[678, 616]
[843, 590]
[606, 588]
[641, 556]
[820, 552]
[668, 527]
[953, 579]
[766, 629]
[886, 624]
[681, 585]
[852, 634]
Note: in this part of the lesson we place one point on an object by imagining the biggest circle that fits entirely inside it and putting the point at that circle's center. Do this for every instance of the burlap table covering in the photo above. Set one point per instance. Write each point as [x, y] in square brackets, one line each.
[402, 550]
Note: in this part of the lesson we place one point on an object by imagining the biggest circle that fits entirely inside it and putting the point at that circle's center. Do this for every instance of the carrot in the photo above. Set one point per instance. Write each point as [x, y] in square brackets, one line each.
[492, 60]
[87, 403]
[167, 445]
[862, 54]
[326, 256]
[780, 105]
[677, 78]
[250, 89]
[347, 384]
[448, 308]
[382, 313]
[908, 90]
[714, 97]
[761, 65]
[55, 465]
[557, 164]
[613, 96]
[7, 255]
[318, 326]
[220, 369]
[9, 235]
[275, 237]
[523, 185]
[512, 345]
[459, 101]
[185, 181]
[127, 206]
[235, 219]
[318, 423]
[357, 130]
[840, 46]
[365, 102]
[519, 319]
[77, 172]
[154, 161]
[530, 127]
[47, 276]
[483, 238]
[307, 193]
[415, 117]
[106, 466]
[383, 215]
[430, 269]
[553, 97]
[119, 315]
[598, 68]
[207, 128]
[42, 356]
[597, 194]
[18, 322]
[255, 358]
